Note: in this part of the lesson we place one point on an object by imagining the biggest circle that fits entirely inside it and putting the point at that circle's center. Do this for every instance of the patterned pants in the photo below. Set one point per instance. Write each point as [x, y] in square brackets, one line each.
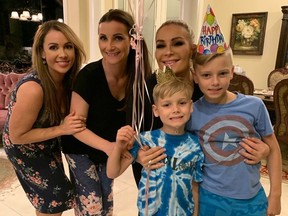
[94, 196]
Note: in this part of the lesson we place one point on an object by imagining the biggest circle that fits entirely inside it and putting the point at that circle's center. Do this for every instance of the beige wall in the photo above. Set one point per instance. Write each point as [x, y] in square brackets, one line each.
[257, 67]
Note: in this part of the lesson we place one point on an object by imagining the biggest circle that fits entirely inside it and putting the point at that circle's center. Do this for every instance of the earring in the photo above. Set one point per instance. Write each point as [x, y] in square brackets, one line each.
[44, 61]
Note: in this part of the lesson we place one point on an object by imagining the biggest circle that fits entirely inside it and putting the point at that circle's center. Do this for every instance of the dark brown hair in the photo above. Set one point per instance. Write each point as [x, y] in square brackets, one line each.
[126, 19]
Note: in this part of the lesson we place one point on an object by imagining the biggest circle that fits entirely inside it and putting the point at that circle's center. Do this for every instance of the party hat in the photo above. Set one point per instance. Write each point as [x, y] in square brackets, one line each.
[211, 38]
[164, 75]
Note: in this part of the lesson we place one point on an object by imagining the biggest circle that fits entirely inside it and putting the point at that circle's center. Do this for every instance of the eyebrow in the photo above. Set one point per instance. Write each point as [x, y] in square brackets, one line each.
[173, 39]
[55, 43]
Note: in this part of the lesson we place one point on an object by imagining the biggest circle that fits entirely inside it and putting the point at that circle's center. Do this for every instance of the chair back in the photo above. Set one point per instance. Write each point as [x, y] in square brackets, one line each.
[242, 84]
[280, 96]
[275, 76]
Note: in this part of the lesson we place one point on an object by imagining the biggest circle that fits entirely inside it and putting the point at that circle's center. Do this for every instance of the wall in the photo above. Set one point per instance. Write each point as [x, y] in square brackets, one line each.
[257, 67]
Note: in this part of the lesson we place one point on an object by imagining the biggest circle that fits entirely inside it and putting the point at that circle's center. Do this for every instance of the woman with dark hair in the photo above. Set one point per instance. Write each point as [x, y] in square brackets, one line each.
[102, 94]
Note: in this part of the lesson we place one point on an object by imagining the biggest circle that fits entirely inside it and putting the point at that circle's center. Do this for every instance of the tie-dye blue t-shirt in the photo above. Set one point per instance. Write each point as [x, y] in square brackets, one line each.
[170, 187]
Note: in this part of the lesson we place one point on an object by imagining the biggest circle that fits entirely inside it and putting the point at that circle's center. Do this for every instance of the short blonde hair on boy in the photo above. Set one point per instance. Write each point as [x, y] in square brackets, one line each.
[201, 59]
[172, 86]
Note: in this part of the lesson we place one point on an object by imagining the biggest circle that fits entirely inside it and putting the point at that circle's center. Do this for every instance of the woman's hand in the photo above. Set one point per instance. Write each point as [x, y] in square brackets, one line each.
[73, 124]
[151, 157]
[255, 150]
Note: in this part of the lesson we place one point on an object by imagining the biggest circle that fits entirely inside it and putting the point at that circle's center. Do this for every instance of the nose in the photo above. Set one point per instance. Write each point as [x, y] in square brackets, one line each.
[215, 80]
[168, 50]
[175, 108]
[110, 45]
[62, 52]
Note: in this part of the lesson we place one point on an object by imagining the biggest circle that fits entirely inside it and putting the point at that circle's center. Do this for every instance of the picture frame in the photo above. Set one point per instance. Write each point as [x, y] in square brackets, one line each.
[248, 33]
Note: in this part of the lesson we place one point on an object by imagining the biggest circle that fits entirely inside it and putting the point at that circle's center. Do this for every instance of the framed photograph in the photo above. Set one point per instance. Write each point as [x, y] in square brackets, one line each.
[248, 33]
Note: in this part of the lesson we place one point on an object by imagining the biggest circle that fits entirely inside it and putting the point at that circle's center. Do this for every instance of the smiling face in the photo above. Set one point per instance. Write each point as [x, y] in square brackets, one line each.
[174, 48]
[58, 52]
[114, 42]
[174, 111]
[214, 78]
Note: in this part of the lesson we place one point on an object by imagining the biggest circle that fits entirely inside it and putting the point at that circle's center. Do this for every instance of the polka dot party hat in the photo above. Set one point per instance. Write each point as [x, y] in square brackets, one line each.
[211, 38]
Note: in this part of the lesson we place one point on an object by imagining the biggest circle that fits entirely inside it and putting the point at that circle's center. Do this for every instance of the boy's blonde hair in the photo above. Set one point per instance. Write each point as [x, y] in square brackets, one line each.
[201, 59]
[172, 86]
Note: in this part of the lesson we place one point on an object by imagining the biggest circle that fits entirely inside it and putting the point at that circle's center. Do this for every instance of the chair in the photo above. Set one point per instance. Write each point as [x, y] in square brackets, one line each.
[280, 96]
[242, 84]
[275, 76]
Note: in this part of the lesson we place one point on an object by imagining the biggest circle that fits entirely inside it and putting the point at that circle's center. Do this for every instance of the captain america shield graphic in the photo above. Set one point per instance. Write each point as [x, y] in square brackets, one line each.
[220, 139]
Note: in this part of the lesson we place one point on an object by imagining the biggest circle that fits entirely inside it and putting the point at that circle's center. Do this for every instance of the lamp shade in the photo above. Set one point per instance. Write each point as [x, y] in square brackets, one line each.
[14, 15]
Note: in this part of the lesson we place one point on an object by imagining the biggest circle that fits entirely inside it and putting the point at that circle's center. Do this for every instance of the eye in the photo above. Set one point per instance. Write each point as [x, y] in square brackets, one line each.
[224, 73]
[69, 46]
[119, 38]
[178, 43]
[102, 38]
[205, 75]
[159, 46]
[165, 105]
[183, 102]
[53, 47]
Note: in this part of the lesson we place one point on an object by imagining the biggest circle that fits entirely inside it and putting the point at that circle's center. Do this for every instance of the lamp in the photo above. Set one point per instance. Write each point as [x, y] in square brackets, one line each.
[40, 16]
[35, 18]
[27, 15]
[14, 15]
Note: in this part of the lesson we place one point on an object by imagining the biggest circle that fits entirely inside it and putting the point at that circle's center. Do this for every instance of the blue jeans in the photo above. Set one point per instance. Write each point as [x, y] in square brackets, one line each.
[93, 188]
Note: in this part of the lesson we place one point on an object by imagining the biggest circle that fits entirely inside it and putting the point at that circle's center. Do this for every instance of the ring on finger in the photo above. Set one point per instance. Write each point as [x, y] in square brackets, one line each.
[149, 163]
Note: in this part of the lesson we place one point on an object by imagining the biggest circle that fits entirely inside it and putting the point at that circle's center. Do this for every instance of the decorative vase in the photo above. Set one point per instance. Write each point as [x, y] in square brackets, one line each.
[246, 42]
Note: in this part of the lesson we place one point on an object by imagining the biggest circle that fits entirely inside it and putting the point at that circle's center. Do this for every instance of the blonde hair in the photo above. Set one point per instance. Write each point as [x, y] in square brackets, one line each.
[201, 59]
[172, 86]
[180, 23]
[51, 105]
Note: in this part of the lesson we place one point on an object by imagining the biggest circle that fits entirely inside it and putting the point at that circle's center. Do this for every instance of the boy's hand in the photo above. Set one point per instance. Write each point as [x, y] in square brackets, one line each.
[125, 137]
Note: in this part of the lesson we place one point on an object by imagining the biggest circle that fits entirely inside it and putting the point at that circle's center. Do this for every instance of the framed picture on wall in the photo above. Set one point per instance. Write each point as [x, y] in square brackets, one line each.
[248, 33]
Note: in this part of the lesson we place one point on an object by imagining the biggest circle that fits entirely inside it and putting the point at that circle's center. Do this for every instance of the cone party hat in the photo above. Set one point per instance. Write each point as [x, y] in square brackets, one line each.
[211, 38]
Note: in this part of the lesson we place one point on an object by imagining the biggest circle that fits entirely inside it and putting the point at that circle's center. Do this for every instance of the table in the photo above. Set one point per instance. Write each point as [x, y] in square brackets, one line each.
[269, 103]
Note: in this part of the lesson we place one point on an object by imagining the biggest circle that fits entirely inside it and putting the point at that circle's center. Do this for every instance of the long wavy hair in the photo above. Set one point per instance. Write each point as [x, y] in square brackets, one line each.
[51, 105]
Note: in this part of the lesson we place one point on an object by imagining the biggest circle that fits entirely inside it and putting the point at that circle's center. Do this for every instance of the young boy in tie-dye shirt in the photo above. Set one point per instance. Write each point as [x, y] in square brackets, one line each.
[173, 188]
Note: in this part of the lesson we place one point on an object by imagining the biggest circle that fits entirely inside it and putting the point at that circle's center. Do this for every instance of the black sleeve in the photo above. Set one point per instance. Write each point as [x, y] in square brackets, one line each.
[83, 85]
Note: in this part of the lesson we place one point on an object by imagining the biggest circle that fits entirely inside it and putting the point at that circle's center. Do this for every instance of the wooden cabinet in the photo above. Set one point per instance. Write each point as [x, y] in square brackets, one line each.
[282, 54]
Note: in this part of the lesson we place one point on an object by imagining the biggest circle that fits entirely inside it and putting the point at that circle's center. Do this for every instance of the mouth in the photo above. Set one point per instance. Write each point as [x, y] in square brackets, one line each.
[215, 90]
[170, 63]
[176, 117]
[112, 54]
[63, 63]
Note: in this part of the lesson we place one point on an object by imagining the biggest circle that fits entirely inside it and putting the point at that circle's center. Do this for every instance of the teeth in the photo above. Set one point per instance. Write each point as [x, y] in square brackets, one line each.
[169, 63]
[63, 63]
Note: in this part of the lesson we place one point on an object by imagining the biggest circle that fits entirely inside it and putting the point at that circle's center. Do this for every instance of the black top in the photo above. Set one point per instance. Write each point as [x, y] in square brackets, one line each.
[105, 115]
[149, 117]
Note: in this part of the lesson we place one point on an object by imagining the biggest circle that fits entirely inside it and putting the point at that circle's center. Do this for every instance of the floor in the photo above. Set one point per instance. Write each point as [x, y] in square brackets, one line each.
[14, 203]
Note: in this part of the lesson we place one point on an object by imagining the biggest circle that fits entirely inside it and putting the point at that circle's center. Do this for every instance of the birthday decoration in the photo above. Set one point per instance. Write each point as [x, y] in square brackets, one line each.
[165, 75]
[211, 38]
